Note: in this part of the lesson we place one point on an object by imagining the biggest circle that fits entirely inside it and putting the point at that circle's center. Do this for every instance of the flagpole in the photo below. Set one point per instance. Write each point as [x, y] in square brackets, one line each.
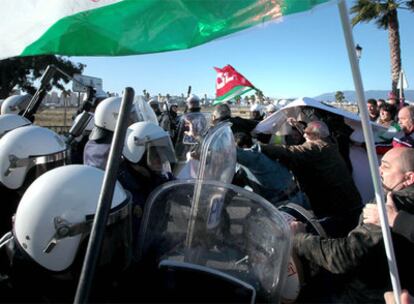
[372, 156]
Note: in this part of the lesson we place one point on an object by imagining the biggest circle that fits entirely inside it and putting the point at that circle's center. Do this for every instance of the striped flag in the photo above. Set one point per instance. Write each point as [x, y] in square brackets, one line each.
[230, 84]
[127, 27]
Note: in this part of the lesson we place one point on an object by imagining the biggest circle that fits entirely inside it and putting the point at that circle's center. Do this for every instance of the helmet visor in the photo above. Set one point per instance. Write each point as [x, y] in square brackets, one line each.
[159, 152]
[133, 116]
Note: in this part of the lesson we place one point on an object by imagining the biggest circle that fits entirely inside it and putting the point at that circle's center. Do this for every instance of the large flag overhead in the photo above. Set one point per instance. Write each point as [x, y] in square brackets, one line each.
[230, 84]
[127, 27]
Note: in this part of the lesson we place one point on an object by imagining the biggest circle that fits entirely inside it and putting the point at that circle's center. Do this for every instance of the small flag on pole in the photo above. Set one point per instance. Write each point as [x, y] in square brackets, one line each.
[230, 84]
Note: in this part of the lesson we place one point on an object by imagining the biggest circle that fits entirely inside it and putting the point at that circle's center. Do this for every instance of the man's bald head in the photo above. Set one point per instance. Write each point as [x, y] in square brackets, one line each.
[397, 169]
[406, 158]
[406, 119]
[402, 157]
[221, 112]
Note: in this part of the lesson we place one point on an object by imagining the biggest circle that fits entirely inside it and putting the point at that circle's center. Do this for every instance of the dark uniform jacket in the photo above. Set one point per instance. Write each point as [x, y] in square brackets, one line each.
[322, 175]
[361, 257]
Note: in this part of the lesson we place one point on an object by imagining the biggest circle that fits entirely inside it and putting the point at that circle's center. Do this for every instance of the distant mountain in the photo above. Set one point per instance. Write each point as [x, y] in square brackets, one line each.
[351, 95]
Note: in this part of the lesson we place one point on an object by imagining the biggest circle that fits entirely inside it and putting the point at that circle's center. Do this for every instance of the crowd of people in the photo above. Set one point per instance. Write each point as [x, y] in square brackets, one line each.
[306, 167]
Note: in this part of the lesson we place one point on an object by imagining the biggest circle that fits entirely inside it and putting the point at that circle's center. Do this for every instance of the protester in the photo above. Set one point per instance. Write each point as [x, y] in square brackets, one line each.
[256, 170]
[387, 116]
[406, 122]
[405, 297]
[372, 109]
[392, 99]
[380, 102]
[222, 112]
[401, 222]
[323, 176]
[360, 256]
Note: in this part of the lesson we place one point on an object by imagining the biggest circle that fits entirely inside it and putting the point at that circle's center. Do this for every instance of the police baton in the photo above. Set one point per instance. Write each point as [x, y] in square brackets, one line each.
[105, 200]
[40, 93]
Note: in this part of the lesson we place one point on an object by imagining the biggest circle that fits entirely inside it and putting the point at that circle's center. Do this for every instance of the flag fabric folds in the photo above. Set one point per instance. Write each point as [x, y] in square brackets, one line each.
[128, 27]
[230, 84]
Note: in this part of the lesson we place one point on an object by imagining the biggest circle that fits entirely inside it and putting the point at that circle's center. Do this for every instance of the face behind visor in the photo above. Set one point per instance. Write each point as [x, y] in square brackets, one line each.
[146, 137]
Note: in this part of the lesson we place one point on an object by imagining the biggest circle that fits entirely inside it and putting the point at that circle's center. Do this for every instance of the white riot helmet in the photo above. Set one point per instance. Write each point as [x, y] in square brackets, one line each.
[56, 213]
[271, 108]
[90, 124]
[27, 148]
[106, 115]
[10, 122]
[153, 102]
[148, 137]
[256, 112]
[15, 104]
[256, 108]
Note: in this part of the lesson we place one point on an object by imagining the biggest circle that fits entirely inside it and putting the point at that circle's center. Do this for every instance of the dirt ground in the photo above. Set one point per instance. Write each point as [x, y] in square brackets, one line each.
[54, 118]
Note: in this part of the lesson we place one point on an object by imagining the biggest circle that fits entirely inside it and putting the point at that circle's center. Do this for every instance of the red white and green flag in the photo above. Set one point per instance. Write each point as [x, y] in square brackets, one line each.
[230, 84]
[128, 27]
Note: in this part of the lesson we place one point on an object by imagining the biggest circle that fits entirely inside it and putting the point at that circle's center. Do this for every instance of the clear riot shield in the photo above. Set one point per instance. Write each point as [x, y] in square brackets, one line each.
[218, 155]
[221, 231]
[144, 111]
[191, 131]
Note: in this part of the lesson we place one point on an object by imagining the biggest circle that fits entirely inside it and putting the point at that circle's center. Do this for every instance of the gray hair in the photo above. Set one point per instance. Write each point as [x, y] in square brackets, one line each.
[318, 127]
[411, 111]
[407, 159]
[221, 112]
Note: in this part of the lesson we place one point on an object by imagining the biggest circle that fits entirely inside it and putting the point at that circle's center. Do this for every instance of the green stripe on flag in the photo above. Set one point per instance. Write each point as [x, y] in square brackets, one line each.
[236, 91]
[149, 26]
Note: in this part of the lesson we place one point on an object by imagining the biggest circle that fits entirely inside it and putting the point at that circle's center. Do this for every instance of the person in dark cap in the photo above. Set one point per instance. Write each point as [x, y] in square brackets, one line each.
[222, 112]
[193, 104]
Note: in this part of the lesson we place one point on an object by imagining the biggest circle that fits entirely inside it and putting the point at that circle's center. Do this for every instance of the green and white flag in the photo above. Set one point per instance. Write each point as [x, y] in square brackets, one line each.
[128, 27]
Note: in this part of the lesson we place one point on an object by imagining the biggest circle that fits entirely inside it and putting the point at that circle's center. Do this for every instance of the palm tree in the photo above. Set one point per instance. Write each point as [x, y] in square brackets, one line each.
[384, 12]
